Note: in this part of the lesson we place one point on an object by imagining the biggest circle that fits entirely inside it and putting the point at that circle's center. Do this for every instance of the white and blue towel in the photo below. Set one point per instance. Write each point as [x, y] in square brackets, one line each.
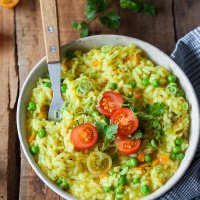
[187, 56]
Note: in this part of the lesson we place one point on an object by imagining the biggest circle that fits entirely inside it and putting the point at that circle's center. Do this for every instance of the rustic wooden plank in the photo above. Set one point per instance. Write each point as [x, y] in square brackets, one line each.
[187, 16]
[9, 171]
[31, 49]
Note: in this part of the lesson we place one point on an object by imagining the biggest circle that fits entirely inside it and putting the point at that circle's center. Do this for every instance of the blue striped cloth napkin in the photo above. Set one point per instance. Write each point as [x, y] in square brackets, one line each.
[187, 56]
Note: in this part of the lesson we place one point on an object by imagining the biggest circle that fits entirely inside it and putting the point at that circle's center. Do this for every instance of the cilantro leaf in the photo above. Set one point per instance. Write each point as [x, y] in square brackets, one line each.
[101, 127]
[111, 20]
[137, 135]
[107, 133]
[130, 5]
[111, 130]
[95, 6]
[149, 9]
[82, 26]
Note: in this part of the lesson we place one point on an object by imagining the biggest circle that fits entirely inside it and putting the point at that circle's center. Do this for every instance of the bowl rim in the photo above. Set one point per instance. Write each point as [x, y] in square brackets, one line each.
[159, 192]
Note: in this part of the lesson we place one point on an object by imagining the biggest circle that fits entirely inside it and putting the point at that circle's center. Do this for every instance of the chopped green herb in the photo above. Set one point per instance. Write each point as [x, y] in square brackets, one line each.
[137, 135]
[111, 20]
[149, 9]
[107, 133]
[131, 5]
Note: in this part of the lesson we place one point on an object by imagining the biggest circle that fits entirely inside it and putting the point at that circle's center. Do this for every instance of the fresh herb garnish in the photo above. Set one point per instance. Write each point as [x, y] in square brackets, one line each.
[98, 9]
[111, 20]
[149, 9]
[137, 135]
[107, 133]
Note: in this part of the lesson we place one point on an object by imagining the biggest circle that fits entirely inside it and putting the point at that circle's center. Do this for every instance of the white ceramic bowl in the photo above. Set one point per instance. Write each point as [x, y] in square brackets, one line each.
[155, 55]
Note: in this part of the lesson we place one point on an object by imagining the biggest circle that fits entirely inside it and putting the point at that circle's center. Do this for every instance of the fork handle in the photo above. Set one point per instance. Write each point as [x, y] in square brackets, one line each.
[50, 29]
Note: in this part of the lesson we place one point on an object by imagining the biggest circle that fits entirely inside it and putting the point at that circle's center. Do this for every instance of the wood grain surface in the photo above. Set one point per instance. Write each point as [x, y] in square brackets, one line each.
[22, 45]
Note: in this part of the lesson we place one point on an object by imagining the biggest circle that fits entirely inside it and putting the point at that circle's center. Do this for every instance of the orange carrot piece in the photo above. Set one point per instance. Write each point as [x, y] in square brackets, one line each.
[164, 159]
[144, 165]
[43, 112]
[155, 162]
[51, 92]
[101, 176]
[31, 138]
[141, 157]
[96, 63]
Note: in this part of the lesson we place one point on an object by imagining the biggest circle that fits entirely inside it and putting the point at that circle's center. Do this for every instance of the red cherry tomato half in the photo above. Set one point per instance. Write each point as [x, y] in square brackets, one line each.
[126, 120]
[84, 136]
[110, 102]
[127, 146]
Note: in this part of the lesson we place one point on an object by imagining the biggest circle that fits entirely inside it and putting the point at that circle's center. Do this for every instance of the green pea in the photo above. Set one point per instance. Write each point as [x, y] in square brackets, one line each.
[145, 81]
[171, 79]
[147, 158]
[42, 133]
[180, 93]
[119, 190]
[145, 189]
[47, 84]
[65, 185]
[63, 88]
[178, 141]
[124, 166]
[177, 149]
[31, 106]
[156, 83]
[132, 162]
[136, 180]
[95, 114]
[122, 180]
[132, 83]
[59, 181]
[34, 149]
[113, 86]
[172, 156]
[107, 189]
[180, 156]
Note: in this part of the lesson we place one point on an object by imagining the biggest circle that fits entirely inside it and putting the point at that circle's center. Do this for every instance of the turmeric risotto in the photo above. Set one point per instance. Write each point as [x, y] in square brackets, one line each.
[123, 129]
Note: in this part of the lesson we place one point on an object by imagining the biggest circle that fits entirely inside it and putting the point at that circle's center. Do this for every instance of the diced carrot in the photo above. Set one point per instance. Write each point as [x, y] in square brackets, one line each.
[51, 92]
[31, 138]
[141, 157]
[164, 159]
[155, 162]
[101, 176]
[43, 113]
[144, 165]
[96, 63]
[138, 95]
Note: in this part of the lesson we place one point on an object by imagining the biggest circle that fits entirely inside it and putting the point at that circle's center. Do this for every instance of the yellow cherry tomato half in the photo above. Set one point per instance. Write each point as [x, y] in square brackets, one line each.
[98, 163]
[8, 3]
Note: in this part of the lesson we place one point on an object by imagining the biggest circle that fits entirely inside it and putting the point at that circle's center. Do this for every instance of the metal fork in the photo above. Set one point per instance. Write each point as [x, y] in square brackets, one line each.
[52, 45]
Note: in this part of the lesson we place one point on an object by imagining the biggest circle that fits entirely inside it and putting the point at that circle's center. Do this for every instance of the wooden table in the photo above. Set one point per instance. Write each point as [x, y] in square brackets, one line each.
[22, 45]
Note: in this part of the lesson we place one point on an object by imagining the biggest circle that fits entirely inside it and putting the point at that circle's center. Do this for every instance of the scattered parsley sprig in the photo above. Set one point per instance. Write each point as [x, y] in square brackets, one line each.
[99, 9]
[107, 132]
